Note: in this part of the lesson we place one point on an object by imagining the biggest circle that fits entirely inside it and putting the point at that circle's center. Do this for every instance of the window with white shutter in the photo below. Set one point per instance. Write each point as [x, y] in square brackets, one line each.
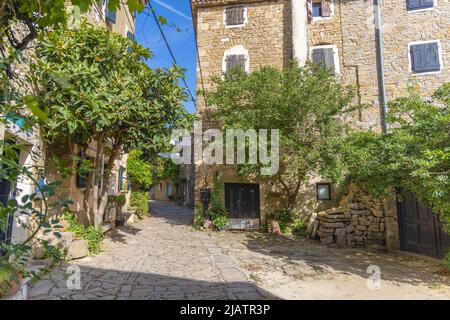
[235, 16]
[425, 57]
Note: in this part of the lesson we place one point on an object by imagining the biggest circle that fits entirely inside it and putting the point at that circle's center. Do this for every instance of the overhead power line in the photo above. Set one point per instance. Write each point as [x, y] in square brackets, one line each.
[170, 49]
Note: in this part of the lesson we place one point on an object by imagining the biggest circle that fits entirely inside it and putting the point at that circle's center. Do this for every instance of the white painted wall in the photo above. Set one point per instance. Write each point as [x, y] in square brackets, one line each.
[300, 31]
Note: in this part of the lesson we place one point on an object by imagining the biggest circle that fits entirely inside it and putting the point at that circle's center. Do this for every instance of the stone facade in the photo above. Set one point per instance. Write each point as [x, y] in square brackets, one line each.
[267, 38]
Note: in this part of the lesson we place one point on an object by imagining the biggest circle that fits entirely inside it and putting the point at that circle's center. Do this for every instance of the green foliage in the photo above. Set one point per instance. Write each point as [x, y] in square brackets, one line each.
[413, 155]
[54, 252]
[95, 85]
[447, 260]
[290, 222]
[199, 218]
[119, 200]
[167, 169]
[304, 103]
[139, 200]
[93, 235]
[217, 212]
[139, 171]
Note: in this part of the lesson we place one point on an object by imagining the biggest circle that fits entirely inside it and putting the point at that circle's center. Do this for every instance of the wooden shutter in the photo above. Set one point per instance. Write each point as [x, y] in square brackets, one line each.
[425, 57]
[419, 4]
[111, 15]
[329, 59]
[234, 16]
[326, 8]
[236, 60]
[324, 57]
[318, 56]
[309, 7]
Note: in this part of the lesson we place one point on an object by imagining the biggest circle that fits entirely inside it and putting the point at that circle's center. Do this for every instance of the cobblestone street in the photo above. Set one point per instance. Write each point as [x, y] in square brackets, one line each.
[162, 257]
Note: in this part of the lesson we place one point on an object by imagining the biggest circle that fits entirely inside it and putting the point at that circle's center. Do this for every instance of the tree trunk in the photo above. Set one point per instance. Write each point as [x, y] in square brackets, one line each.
[97, 214]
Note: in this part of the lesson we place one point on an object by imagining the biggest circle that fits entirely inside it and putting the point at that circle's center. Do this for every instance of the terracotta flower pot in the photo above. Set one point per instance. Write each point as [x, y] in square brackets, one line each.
[274, 226]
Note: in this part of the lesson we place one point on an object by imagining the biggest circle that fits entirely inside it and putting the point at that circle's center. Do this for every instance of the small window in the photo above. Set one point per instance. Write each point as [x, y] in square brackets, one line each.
[320, 9]
[425, 57]
[327, 57]
[323, 191]
[131, 36]
[235, 16]
[419, 4]
[235, 60]
[316, 10]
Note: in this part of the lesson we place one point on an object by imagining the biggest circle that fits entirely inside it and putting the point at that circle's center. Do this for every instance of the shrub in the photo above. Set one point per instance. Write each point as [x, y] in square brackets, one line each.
[139, 200]
[217, 211]
[53, 252]
[93, 235]
[199, 218]
[447, 260]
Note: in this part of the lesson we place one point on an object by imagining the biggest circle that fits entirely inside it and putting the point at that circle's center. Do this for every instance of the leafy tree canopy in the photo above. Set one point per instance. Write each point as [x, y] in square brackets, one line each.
[413, 155]
[304, 103]
[95, 86]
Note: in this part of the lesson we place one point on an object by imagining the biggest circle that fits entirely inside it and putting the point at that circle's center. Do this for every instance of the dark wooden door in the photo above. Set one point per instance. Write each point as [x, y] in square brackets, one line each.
[242, 200]
[420, 229]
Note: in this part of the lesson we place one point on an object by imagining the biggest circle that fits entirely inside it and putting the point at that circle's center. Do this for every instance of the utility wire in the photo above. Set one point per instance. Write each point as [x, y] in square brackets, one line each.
[170, 49]
[198, 61]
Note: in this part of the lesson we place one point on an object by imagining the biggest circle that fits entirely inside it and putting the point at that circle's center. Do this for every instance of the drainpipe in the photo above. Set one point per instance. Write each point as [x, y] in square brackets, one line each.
[380, 65]
[299, 31]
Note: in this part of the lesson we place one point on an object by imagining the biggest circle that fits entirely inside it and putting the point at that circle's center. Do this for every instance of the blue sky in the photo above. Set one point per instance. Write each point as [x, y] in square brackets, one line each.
[182, 42]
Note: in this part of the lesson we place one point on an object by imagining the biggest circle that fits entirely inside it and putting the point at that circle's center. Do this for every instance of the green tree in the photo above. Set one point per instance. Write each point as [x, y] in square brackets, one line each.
[413, 155]
[139, 171]
[97, 89]
[304, 103]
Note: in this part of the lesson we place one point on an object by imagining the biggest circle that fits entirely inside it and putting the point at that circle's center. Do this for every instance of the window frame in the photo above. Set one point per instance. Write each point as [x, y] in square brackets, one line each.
[337, 66]
[318, 184]
[235, 25]
[441, 60]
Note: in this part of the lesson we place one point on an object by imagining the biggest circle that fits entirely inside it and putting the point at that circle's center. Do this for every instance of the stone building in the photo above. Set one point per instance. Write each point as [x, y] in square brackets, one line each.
[411, 47]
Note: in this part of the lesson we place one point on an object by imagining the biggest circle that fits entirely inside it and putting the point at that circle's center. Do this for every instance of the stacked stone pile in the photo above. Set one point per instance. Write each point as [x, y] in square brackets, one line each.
[359, 223]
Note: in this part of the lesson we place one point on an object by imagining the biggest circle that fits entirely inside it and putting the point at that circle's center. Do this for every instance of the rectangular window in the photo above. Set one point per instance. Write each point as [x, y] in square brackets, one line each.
[121, 186]
[325, 57]
[236, 60]
[234, 16]
[317, 10]
[321, 8]
[419, 4]
[323, 191]
[425, 57]
[131, 36]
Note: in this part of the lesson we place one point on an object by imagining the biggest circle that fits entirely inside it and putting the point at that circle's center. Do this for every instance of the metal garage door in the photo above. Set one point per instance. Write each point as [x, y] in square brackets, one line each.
[242, 201]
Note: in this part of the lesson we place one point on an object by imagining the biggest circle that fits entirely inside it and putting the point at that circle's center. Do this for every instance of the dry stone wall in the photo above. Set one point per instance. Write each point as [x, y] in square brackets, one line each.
[359, 223]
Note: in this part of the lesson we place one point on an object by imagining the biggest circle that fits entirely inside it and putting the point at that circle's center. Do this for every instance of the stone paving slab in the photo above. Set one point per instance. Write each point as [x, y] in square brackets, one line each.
[161, 257]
